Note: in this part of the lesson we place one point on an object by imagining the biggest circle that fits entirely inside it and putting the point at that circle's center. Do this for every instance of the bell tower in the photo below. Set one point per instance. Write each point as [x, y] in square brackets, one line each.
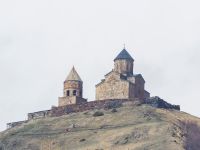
[124, 63]
[73, 90]
[73, 85]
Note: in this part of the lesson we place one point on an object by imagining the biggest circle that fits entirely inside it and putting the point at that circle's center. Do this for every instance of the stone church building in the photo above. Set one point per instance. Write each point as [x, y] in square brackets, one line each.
[121, 82]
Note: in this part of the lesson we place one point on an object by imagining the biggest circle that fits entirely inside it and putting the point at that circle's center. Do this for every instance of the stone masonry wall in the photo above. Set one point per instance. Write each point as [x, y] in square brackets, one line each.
[39, 114]
[14, 124]
[112, 88]
[104, 104]
[139, 87]
[62, 101]
[73, 85]
[131, 90]
[66, 100]
[123, 66]
[63, 110]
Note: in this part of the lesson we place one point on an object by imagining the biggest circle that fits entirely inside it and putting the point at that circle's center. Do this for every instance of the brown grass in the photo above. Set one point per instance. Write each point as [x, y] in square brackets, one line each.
[192, 134]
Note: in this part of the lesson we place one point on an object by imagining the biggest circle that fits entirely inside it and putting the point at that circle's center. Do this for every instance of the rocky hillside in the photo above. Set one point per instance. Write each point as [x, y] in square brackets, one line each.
[126, 128]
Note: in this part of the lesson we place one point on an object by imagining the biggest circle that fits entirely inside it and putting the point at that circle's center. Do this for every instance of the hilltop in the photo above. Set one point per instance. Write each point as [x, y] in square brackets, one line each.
[130, 127]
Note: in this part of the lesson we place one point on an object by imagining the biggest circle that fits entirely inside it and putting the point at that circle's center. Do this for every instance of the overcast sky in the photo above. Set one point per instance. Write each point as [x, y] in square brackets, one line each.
[41, 40]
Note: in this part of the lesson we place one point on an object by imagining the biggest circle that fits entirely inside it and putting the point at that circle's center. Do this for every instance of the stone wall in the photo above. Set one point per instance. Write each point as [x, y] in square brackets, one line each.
[124, 66]
[112, 88]
[80, 100]
[131, 90]
[64, 110]
[14, 124]
[62, 101]
[146, 94]
[103, 104]
[139, 87]
[73, 85]
[39, 114]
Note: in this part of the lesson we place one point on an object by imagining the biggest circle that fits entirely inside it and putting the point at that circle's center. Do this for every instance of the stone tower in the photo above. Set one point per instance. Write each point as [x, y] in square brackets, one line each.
[123, 63]
[73, 85]
[73, 90]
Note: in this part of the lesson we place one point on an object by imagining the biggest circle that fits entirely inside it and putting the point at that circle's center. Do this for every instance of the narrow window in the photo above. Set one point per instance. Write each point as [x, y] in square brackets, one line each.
[67, 92]
[74, 92]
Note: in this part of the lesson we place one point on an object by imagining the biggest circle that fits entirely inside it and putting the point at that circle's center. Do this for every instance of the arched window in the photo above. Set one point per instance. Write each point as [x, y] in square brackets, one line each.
[74, 92]
[67, 92]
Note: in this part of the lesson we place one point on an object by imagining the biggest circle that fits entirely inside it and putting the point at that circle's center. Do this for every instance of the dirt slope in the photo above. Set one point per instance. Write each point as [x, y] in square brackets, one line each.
[130, 128]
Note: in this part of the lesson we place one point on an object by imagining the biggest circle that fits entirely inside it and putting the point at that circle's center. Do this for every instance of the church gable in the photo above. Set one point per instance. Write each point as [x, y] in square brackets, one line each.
[112, 77]
[112, 89]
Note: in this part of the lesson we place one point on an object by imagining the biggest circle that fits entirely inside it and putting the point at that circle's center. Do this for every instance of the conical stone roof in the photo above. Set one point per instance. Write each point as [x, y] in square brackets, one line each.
[124, 55]
[73, 76]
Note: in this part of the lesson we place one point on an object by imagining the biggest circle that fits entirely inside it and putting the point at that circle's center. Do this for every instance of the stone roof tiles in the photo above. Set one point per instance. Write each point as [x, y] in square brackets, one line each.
[73, 76]
[124, 55]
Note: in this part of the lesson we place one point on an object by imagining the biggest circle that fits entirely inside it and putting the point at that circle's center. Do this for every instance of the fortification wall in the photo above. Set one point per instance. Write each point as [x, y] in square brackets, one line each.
[64, 110]
[14, 124]
[103, 104]
[39, 114]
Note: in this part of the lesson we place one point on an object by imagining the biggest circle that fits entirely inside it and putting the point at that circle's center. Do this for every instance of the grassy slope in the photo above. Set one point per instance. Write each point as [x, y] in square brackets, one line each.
[131, 128]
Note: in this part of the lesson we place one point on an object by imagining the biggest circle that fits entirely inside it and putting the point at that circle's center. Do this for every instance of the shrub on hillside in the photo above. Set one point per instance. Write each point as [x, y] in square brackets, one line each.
[114, 110]
[192, 133]
[113, 104]
[98, 113]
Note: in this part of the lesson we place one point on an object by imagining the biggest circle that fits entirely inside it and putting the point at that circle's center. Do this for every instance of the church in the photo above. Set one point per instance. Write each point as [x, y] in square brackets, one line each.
[120, 83]
[119, 86]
